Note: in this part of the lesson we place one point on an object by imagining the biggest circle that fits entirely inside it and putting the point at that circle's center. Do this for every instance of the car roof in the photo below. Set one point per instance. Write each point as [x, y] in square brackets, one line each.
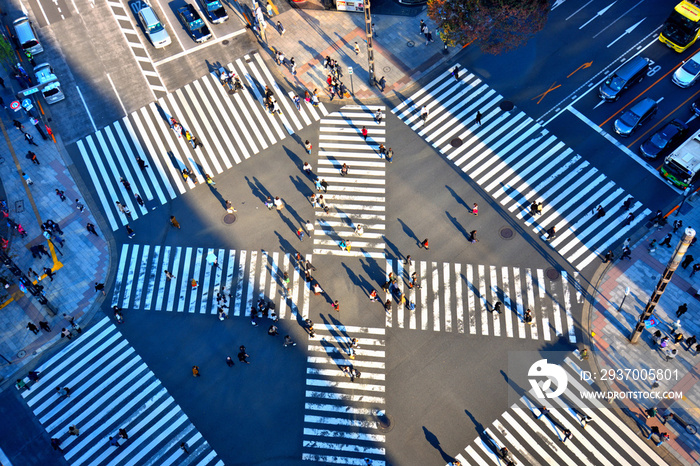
[644, 104]
[187, 12]
[149, 15]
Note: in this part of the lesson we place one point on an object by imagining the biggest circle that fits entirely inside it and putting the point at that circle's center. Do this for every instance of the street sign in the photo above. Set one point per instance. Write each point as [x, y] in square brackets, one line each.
[26, 103]
[349, 69]
[15, 105]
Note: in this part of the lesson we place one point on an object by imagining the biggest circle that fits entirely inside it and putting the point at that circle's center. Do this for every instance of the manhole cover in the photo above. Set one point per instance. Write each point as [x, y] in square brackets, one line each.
[456, 142]
[229, 219]
[506, 233]
[384, 422]
[225, 42]
[386, 69]
[410, 43]
[552, 274]
[21, 354]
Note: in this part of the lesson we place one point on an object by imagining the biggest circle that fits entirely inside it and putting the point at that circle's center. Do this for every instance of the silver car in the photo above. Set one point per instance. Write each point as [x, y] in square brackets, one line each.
[688, 73]
[153, 27]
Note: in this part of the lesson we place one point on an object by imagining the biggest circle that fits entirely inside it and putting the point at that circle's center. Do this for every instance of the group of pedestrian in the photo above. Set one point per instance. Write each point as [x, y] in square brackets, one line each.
[335, 72]
[180, 132]
[270, 102]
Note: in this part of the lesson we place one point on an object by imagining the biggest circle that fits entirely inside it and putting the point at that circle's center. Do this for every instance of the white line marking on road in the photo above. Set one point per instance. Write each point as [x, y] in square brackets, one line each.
[86, 109]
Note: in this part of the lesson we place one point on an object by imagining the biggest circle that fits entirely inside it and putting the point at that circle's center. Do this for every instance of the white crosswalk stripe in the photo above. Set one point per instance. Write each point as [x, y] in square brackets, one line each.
[231, 129]
[460, 298]
[517, 161]
[244, 277]
[341, 422]
[357, 198]
[112, 388]
[606, 440]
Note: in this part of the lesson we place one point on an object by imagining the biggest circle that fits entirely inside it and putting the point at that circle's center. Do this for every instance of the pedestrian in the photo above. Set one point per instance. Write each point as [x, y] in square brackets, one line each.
[288, 341]
[18, 125]
[229, 361]
[672, 354]
[33, 328]
[336, 305]
[539, 208]
[475, 210]
[663, 437]
[168, 275]
[629, 219]
[543, 412]
[280, 28]
[45, 326]
[30, 139]
[100, 287]
[61, 194]
[498, 307]
[73, 430]
[344, 169]
[113, 441]
[527, 317]
[63, 392]
[229, 207]
[141, 163]
[378, 116]
[373, 296]
[667, 418]
[32, 156]
[278, 203]
[56, 444]
[687, 260]
[424, 114]
[667, 240]
[389, 155]
[123, 434]
[382, 83]
[27, 179]
[652, 246]
[195, 371]
[364, 132]
[293, 64]
[129, 231]
[478, 117]
[428, 37]
[609, 256]
[455, 72]
[309, 227]
[324, 185]
[585, 419]
[387, 305]
[690, 341]
[682, 309]
[626, 253]
[49, 273]
[183, 447]
[473, 238]
[317, 289]
[242, 355]
[567, 435]
[425, 244]
[308, 146]
[300, 234]
[651, 412]
[696, 268]
[193, 284]
[357, 49]
[272, 331]
[118, 315]
[677, 224]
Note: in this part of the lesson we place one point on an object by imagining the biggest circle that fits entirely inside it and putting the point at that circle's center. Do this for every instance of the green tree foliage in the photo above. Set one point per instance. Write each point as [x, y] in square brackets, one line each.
[8, 58]
[497, 26]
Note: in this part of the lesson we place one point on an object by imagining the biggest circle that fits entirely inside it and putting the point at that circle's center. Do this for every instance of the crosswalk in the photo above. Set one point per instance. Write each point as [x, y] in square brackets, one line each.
[111, 388]
[516, 161]
[342, 416]
[357, 198]
[232, 128]
[606, 440]
[244, 276]
[460, 298]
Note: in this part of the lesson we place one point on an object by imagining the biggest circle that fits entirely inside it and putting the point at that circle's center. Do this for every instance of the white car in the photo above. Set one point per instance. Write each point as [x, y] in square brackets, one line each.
[153, 27]
[688, 73]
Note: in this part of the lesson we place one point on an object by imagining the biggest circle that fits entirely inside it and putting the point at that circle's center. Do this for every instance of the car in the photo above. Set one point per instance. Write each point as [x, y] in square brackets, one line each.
[194, 24]
[688, 73]
[664, 139]
[635, 116]
[155, 31]
[629, 74]
[214, 10]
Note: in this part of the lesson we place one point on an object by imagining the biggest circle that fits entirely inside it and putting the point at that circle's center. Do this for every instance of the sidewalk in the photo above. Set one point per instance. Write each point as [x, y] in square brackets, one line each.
[82, 261]
[401, 55]
[610, 330]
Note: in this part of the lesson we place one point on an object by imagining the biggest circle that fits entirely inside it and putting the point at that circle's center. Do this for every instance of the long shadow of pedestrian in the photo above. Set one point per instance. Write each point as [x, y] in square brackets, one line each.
[297, 218]
[357, 280]
[301, 186]
[372, 269]
[393, 248]
[257, 189]
[435, 443]
[458, 198]
[458, 226]
[481, 432]
[175, 162]
[217, 195]
[408, 231]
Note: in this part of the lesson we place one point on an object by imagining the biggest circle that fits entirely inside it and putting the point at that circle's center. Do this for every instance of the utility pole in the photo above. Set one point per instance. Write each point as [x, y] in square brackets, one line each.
[663, 282]
[35, 290]
[370, 51]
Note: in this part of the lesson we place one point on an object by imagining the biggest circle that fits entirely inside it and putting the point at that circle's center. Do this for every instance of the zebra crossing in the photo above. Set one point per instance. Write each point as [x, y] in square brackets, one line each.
[111, 388]
[357, 198]
[460, 298]
[517, 161]
[243, 276]
[606, 440]
[231, 128]
[341, 423]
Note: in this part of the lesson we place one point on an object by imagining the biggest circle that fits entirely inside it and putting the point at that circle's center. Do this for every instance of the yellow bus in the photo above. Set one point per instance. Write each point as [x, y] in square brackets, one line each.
[682, 26]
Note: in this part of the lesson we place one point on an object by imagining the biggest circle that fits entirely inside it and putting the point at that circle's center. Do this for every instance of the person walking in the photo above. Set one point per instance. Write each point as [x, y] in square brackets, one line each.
[195, 371]
[344, 169]
[425, 244]
[168, 275]
[30, 139]
[56, 444]
[317, 289]
[91, 228]
[682, 309]
[472, 237]
[100, 287]
[45, 326]
[357, 49]
[364, 132]
[33, 328]
[308, 146]
[293, 64]
[567, 435]
[32, 156]
[336, 306]
[288, 341]
[667, 240]
[280, 28]
[229, 361]
[389, 155]
[129, 231]
[373, 296]
[73, 430]
[687, 260]
[242, 355]
[424, 114]
[609, 256]
[123, 433]
[174, 222]
[455, 72]
[478, 118]
[475, 210]
[651, 412]
[378, 116]
[183, 447]
[324, 185]
[626, 253]
[114, 441]
[49, 273]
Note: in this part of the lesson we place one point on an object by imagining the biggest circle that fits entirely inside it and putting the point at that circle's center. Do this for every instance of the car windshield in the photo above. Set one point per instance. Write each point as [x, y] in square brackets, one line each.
[660, 140]
[156, 27]
[196, 24]
[691, 67]
[213, 6]
[615, 83]
[29, 44]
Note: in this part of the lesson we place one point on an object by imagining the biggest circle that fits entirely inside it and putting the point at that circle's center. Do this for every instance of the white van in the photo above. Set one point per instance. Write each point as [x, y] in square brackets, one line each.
[52, 90]
[26, 35]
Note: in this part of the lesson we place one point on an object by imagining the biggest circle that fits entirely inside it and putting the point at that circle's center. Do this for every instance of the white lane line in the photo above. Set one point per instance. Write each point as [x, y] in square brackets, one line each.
[87, 110]
[197, 48]
[121, 104]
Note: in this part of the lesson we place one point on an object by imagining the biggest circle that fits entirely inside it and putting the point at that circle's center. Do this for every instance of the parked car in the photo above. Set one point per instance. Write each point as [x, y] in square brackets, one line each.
[51, 89]
[194, 24]
[214, 10]
[26, 35]
[688, 73]
[635, 116]
[153, 28]
[622, 78]
[664, 139]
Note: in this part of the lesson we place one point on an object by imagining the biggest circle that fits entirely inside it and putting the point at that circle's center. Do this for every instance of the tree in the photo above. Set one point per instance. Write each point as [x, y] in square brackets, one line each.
[7, 54]
[497, 26]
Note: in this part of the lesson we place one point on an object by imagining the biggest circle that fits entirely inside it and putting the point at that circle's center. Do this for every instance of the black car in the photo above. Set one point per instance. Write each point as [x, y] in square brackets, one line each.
[214, 10]
[664, 139]
[194, 23]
